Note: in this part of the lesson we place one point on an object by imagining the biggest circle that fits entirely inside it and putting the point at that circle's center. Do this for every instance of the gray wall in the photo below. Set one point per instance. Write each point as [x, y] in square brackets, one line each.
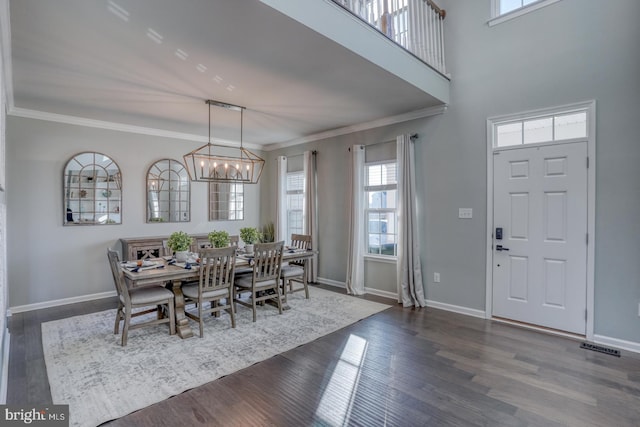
[574, 50]
[48, 261]
[569, 52]
[332, 163]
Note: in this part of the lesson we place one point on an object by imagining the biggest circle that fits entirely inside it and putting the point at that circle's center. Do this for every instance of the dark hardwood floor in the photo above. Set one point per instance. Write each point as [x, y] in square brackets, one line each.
[401, 367]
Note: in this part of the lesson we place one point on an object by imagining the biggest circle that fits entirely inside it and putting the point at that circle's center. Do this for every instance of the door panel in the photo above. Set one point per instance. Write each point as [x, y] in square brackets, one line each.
[540, 201]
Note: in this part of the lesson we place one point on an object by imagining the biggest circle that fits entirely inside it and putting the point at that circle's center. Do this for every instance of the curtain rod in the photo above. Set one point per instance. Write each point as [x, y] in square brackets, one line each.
[412, 137]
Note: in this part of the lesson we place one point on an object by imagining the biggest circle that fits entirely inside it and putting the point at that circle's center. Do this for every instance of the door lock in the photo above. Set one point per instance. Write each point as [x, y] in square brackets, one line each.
[500, 248]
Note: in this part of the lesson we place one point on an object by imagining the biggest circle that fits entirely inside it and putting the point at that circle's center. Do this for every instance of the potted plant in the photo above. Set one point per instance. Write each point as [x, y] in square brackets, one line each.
[219, 239]
[180, 242]
[249, 236]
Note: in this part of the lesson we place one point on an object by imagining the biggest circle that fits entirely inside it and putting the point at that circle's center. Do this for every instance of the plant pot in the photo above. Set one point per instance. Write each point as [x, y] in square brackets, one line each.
[181, 256]
[248, 249]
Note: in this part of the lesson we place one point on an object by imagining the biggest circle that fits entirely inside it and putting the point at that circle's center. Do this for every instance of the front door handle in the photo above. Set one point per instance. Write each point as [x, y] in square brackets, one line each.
[500, 248]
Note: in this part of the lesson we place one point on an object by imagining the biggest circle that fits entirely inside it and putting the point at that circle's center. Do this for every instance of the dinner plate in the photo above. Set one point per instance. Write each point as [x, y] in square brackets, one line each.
[132, 264]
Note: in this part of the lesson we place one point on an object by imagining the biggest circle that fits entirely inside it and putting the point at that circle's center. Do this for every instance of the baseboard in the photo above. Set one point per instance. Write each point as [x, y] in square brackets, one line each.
[456, 309]
[617, 343]
[5, 367]
[59, 302]
[330, 282]
[384, 294]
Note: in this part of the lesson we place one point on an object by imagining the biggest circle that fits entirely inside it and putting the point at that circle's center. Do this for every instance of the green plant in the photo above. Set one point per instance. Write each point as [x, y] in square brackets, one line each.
[268, 233]
[219, 239]
[250, 235]
[179, 241]
[156, 219]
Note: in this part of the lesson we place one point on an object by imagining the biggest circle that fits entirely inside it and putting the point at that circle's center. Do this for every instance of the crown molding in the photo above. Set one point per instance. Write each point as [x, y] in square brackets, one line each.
[121, 127]
[386, 121]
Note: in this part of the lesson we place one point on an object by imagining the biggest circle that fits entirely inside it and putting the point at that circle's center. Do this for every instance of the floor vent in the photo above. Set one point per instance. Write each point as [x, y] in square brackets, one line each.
[601, 349]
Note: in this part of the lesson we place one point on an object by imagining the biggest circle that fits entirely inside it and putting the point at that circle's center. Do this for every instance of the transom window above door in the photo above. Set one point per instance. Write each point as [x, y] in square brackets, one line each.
[561, 126]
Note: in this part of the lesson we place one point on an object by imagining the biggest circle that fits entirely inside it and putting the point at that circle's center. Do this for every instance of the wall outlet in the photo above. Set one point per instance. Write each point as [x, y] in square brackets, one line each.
[436, 278]
[465, 213]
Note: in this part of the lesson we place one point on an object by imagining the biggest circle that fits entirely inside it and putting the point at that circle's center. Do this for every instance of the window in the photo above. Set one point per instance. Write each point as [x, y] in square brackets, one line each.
[537, 129]
[507, 6]
[380, 213]
[505, 10]
[295, 203]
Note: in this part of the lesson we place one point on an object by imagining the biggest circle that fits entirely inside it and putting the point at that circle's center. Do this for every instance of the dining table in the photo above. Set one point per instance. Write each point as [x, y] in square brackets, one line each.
[167, 270]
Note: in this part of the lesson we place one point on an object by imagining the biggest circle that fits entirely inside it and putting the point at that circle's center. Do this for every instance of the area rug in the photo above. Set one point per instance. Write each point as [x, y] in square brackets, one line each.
[101, 381]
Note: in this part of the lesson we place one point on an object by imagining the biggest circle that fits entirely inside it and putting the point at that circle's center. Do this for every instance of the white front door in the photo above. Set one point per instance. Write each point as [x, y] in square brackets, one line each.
[540, 264]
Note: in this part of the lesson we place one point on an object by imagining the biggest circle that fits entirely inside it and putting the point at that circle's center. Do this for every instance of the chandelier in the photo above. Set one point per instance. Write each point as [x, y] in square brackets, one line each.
[219, 163]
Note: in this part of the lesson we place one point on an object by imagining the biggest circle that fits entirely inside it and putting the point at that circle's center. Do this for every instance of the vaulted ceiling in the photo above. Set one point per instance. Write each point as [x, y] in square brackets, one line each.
[153, 63]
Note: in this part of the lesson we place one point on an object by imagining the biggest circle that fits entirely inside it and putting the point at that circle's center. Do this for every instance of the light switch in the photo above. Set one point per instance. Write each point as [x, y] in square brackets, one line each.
[465, 213]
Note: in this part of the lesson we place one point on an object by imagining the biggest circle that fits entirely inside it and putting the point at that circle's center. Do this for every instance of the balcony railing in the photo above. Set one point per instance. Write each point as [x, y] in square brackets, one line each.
[416, 25]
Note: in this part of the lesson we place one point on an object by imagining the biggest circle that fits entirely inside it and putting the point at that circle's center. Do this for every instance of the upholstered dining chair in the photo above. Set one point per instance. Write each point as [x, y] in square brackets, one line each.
[151, 297]
[263, 283]
[294, 271]
[217, 272]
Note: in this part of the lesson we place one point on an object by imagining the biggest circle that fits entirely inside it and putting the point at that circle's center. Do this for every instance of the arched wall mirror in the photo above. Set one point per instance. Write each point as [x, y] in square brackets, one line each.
[92, 190]
[226, 201]
[168, 192]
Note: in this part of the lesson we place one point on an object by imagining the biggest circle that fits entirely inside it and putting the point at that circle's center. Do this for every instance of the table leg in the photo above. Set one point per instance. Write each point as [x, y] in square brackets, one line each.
[182, 323]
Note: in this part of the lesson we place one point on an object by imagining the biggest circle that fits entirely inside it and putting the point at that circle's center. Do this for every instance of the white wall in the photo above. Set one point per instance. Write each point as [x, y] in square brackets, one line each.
[48, 261]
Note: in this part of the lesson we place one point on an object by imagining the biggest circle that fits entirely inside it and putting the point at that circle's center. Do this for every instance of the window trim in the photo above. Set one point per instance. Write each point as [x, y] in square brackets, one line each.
[497, 18]
[493, 122]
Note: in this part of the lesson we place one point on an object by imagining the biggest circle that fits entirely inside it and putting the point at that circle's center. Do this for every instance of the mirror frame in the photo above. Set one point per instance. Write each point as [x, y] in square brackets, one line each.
[155, 184]
[95, 187]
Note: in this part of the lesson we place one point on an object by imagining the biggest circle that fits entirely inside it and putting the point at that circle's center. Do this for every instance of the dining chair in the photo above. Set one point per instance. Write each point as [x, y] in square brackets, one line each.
[200, 244]
[217, 268]
[151, 297]
[234, 239]
[263, 283]
[294, 271]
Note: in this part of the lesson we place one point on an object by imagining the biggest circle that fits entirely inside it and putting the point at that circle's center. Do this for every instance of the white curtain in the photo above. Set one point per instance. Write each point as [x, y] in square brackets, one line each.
[355, 259]
[410, 289]
[311, 211]
[281, 201]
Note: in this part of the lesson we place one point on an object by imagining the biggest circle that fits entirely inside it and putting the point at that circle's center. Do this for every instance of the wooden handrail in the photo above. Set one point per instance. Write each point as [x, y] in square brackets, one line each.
[435, 7]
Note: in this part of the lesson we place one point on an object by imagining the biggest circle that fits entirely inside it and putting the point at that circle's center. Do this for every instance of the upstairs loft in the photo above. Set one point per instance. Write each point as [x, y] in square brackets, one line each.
[405, 37]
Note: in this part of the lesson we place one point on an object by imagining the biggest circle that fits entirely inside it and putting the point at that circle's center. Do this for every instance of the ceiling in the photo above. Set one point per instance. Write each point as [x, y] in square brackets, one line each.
[153, 63]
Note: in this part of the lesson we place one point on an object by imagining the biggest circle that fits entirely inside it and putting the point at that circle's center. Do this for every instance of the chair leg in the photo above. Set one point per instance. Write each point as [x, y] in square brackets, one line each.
[253, 304]
[125, 328]
[278, 300]
[116, 328]
[232, 313]
[200, 320]
[284, 289]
